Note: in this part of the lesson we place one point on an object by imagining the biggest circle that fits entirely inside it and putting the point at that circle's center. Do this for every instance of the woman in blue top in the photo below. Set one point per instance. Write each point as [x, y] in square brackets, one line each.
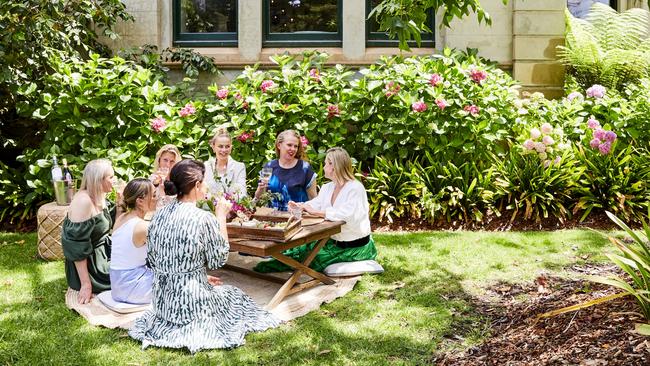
[292, 177]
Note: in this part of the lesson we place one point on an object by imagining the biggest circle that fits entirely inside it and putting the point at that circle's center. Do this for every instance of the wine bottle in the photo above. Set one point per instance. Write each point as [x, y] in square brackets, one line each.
[57, 174]
[67, 175]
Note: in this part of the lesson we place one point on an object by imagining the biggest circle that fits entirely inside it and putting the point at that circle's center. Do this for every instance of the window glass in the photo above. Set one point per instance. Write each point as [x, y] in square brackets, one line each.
[580, 8]
[290, 16]
[205, 22]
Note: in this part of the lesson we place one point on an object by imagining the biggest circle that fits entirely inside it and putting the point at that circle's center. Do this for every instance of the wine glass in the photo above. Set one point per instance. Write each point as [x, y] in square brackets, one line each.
[266, 173]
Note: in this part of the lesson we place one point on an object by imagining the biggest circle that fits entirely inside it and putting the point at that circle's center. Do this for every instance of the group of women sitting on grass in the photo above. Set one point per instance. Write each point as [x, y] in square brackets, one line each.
[165, 261]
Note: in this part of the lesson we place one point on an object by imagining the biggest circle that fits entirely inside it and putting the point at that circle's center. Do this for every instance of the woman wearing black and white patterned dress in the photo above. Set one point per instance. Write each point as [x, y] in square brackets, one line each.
[191, 309]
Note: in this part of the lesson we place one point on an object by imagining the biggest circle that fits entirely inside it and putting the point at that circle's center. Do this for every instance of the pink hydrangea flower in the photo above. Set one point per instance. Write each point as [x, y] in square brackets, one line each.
[593, 123]
[557, 160]
[610, 136]
[546, 128]
[304, 141]
[535, 133]
[333, 111]
[574, 95]
[594, 143]
[391, 89]
[246, 136]
[441, 103]
[158, 124]
[548, 140]
[435, 80]
[605, 147]
[478, 75]
[419, 106]
[540, 147]
[472, 109]
[188, 110]
[599, 133]
[529, 144]
[596, 91]
[238, 96]
[314, 74]
[223, 93]
[267, 85]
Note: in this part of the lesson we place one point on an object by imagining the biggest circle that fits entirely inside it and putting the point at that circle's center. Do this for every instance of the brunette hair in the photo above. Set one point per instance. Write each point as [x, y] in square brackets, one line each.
[91, 181]
[137, 188]
[170, 148]
[300, 154]
[183, 177]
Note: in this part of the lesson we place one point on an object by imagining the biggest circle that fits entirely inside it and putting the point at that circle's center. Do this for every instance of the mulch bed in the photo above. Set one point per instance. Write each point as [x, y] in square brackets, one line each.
[602, 334]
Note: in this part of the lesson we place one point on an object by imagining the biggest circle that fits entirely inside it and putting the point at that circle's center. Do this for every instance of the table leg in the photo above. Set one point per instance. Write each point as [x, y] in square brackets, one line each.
[300, 268]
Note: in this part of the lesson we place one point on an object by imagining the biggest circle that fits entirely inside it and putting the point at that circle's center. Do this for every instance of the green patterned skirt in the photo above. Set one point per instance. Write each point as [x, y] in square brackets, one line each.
[330, 253]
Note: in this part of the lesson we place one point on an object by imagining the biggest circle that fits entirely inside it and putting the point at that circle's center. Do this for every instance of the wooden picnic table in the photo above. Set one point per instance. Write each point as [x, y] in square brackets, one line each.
[321, 232]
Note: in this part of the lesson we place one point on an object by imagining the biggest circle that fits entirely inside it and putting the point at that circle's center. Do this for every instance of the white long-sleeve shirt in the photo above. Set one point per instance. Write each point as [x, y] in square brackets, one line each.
[351, 206]
[232, 182]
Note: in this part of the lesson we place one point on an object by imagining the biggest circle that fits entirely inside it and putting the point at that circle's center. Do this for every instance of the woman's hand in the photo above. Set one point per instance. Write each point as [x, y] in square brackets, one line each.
[85, 294]
[292, 205]
[223, 208]
[310, 210]
[214, 281]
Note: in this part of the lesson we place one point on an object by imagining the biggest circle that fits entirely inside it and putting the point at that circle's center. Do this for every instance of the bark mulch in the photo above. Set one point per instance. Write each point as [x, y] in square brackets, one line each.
[602, 334]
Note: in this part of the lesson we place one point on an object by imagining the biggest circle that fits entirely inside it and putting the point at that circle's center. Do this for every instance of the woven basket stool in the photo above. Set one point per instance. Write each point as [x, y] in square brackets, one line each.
[50, 221]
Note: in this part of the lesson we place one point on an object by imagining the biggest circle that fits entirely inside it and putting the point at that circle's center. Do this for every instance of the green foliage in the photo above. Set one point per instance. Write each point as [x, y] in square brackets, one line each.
[607, 48]
[616, 182]
[463, 193]
[391, 127]
[634, 259]
[406, 19]
[535, 190]
[393, 189]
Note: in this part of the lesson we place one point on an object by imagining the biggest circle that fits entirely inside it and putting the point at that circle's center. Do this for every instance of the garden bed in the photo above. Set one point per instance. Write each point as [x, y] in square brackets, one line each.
[598, 335]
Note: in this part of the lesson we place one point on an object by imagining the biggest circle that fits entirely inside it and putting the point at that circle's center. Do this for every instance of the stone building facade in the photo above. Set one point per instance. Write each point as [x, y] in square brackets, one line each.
[522, 38]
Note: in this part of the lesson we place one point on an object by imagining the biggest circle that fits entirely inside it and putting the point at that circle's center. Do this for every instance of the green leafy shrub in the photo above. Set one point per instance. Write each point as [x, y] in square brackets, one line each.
[463, 193]
[616, 181]
[453, 105]
[532, 189]
[607, 48]
[393, 189]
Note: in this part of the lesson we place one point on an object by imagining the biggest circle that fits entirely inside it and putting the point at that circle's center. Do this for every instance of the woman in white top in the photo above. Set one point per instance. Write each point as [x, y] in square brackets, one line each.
[223, 174]
[131, 279]
[342, 199]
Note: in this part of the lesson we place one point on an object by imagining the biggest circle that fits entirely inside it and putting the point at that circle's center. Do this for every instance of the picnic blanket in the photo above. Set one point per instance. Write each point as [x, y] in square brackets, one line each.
[261, 291]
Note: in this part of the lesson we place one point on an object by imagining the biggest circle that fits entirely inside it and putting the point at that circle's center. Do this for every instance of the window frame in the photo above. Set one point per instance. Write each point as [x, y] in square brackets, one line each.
[380, 39]
[191, 40]
[303, 39]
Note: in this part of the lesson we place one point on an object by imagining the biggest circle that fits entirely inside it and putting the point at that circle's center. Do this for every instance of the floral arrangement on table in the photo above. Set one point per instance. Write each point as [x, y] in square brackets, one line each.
[243, 207]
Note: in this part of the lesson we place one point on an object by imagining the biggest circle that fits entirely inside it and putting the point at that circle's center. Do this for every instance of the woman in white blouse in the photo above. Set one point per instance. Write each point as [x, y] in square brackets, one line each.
[342, 199]
[223, 174]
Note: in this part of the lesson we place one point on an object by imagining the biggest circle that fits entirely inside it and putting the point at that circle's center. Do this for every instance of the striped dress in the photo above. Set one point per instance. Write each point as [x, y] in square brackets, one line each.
[186, 310]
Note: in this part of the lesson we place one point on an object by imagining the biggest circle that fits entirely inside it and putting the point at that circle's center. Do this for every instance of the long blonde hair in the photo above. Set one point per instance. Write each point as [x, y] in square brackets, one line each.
[166, 148]
[300, 154]
[94, 173]
[342, 164]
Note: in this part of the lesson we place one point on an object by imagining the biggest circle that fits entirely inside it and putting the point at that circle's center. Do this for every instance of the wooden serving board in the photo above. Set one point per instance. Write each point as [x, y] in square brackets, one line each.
[237, 231]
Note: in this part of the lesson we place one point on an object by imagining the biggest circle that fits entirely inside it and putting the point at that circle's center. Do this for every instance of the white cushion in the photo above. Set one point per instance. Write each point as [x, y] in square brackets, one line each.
[120, 307]
[344, 269]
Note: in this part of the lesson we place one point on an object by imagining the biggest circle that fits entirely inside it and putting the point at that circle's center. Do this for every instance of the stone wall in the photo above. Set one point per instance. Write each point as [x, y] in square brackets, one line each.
[522, 38]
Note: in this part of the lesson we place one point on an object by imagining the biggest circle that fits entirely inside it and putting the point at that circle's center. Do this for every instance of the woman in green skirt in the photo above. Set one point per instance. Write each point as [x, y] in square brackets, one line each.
[342, 199]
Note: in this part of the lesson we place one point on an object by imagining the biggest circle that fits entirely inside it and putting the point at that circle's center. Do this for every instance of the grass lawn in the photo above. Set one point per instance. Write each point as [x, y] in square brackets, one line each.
[398, 318]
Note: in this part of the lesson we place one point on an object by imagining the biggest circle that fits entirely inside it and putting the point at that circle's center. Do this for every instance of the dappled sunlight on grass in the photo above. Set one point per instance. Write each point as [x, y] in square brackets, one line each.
[397, 318]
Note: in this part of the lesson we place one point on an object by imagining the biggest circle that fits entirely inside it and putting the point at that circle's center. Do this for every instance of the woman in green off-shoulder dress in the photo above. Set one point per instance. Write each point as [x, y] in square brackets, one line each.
[86, 232]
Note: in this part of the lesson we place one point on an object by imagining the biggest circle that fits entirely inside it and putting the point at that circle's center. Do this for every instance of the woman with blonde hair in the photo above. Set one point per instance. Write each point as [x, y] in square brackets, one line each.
[85, 236]
[292, 176]
[342, 199]
[223, 174]
[166, 157]
[131, 279]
